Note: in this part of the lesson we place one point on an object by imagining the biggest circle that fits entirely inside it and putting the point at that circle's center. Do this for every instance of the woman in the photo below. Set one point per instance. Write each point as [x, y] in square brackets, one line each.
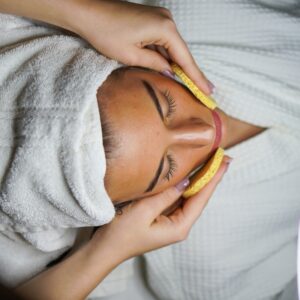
[49, 83]
[167, 125]
[268, 140]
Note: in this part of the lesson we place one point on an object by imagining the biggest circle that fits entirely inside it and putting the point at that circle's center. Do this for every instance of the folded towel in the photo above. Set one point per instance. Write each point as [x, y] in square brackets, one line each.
[52, 156]
[52, 162]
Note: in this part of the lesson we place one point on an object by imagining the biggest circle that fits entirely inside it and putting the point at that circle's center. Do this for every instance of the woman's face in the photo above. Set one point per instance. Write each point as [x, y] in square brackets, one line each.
[163, 132]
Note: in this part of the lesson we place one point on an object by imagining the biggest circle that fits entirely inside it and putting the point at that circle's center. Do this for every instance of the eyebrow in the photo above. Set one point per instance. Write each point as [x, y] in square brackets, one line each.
[156, 177]
[154, 98]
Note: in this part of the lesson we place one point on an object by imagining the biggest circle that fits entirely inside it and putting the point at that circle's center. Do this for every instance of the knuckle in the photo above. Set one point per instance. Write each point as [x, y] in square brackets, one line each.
[165, 11]
[169, 195]
[149, 212]
[144, 209]
[183, 234]
[168, 25]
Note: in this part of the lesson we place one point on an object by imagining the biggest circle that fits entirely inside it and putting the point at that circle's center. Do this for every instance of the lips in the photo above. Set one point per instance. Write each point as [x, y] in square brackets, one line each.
[218, 126]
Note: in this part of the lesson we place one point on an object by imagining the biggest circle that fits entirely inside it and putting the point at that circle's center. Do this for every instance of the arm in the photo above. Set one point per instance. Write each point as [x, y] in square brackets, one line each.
[144, 226]
[75, 277]
[54, 12]
[131, 33]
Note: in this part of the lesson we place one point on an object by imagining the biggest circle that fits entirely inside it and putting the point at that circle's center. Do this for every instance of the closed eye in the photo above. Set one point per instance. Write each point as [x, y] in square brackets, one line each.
[171, 103]
[171, 110]
[172, 167]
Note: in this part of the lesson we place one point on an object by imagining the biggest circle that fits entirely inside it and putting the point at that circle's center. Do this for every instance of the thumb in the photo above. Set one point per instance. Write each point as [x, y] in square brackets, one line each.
[194, 205]
[152, 59]
[156, 204]
[180, 54]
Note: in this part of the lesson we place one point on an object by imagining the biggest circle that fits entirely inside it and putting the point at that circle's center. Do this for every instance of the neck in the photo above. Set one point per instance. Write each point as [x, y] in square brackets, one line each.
[235, 131]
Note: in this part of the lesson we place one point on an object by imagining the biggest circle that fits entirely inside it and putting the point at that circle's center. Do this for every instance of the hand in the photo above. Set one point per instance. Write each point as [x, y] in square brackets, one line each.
[131, 33]
[142, 227]
[137, 35]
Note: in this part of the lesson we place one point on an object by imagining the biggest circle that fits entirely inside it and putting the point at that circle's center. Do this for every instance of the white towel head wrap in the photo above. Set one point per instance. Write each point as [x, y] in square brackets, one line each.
[52, 157]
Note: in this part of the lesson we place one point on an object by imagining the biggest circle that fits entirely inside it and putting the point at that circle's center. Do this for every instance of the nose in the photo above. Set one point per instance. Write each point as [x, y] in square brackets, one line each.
[194, 133]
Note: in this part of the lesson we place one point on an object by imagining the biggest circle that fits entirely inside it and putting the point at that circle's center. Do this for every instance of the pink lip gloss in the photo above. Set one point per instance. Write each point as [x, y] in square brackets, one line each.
[218, 124]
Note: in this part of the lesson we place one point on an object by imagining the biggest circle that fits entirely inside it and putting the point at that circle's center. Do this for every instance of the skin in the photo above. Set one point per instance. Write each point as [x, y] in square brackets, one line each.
[134, 34]
[134, 30]
[76, 276]
[143, 138]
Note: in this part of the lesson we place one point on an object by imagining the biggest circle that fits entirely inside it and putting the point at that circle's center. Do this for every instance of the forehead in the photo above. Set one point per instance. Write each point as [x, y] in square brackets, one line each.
[139, 133]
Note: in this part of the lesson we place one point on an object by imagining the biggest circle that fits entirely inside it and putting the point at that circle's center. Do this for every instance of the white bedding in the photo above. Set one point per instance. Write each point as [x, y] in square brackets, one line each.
[52, 160]
[244, 245]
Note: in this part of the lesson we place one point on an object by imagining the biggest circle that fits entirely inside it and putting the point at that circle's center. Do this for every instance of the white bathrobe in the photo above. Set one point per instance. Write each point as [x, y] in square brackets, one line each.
[52, 160]
[243, 247]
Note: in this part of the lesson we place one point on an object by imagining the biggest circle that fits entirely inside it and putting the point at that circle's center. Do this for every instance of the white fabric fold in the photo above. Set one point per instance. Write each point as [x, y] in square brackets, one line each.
[52, 162]
[52, 157]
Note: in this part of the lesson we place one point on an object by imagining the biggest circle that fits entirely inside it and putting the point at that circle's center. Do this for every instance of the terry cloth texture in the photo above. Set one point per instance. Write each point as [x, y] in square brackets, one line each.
[243, 247]
[52, 162]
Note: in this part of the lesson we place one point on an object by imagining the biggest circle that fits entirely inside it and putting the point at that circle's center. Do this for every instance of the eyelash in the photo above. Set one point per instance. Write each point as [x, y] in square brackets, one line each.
[171, 103]
[173, 167]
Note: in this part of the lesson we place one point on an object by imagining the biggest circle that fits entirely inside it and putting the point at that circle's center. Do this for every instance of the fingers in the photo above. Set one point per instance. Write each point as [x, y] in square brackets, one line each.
[173, 48]
[181, 55]
[163, 52]
[182, 219]
[194, 205]
[156, 204]
[148, 58]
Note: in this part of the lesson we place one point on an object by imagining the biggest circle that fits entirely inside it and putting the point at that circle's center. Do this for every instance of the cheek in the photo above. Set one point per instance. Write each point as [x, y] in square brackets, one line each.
[187, 160]
[184, 165]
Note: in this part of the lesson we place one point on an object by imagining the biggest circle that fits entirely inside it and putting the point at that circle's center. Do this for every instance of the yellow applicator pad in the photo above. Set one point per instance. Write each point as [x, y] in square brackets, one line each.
[208, 171]
[207, 101]
[204, 176]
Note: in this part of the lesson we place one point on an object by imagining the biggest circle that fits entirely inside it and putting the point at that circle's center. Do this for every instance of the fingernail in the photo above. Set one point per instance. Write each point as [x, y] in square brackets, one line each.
[211, 87]
[168, 74]
[181, 186]
[226, 167]
[228, 160]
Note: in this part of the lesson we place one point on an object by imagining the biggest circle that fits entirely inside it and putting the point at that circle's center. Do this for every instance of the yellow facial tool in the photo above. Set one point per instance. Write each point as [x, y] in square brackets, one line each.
[207, 101]
[207, 172]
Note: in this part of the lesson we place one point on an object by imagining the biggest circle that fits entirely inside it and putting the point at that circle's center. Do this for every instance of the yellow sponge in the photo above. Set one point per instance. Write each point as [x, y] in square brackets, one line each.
[202, 177]
[207, 101]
